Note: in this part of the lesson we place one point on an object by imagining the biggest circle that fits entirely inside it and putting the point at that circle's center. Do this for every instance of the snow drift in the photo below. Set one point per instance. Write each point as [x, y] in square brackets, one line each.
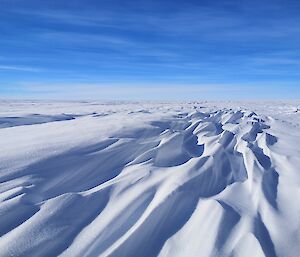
[133, 179]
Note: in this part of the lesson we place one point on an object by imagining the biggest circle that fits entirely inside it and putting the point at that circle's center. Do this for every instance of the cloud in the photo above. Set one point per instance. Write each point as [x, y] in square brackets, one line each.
[18, 68]
[276, 61]
[148, 43]
[150, 91]
[119, 91]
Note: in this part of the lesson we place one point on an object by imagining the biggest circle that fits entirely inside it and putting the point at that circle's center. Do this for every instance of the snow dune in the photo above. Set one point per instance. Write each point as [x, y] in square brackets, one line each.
[149, 179]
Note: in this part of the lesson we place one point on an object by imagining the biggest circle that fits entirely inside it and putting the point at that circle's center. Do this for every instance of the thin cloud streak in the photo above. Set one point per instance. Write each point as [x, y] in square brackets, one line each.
[144, 42]
[123, 91]
[19, 68]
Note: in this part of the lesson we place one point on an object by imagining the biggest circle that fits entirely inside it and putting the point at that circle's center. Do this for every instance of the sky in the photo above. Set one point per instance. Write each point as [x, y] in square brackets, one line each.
[153, 50]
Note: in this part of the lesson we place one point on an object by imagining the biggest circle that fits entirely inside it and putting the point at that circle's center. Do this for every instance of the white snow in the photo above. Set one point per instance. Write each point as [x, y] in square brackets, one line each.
[150, 179]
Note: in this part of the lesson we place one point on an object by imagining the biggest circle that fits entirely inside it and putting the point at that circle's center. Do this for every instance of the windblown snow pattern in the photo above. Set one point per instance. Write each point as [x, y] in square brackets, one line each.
[150, 179]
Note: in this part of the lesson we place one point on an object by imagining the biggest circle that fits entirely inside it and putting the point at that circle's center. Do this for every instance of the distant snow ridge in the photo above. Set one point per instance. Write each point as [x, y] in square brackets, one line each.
[214, 183]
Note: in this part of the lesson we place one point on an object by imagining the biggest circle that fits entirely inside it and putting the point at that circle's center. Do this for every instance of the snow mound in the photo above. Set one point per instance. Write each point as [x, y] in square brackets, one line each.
[185, 179]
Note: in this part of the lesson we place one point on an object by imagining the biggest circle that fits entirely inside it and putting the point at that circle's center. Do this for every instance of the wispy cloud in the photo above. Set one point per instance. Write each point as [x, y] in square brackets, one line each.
[18, 68]
[276, 61]
[148, 42]
[124, 91]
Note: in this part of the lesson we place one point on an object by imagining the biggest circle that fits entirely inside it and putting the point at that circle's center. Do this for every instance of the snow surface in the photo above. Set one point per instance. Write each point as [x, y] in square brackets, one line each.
[149, 179]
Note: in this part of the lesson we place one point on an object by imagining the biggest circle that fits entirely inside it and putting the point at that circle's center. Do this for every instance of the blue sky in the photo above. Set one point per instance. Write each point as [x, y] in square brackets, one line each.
[149, 49]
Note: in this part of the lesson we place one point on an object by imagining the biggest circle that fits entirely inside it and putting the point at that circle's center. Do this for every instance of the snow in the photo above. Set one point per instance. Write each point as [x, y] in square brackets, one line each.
[149, 178]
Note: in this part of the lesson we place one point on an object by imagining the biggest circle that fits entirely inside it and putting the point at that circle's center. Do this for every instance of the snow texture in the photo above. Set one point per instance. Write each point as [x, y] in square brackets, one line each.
[149, 179]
